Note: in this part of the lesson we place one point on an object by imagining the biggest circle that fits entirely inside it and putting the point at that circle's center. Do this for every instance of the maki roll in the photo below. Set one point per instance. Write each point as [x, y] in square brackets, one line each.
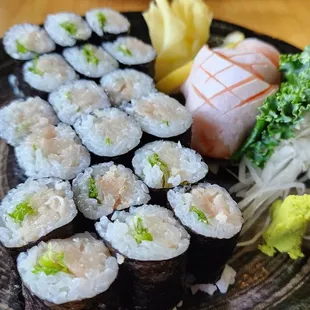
[90, 60]
[153, 246]
[107, 23]
[125, 85]
[25, 41]
[73, 273]
[34, 210]
[108, 132]
[106, 187]
[132, 52]
[214, 221]
[47, 72]
[161, 116]
[76, 98]
[165, 164]
[54, 151]
[24, 116]
[67, 28]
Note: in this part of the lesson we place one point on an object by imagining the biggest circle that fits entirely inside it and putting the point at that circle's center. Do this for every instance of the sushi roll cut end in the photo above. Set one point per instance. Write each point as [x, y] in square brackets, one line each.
[81, 266]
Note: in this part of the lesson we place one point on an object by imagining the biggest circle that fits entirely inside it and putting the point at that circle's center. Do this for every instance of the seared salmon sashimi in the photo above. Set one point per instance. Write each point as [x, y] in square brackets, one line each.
[223, 92]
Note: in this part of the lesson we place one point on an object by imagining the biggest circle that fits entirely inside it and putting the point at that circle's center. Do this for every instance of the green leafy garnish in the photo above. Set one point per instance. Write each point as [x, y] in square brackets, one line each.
[90, 55]
[102, 19]
[108, 141]
[125, 50]
[20, 212]
[92, 189]
[68, 95]
[34, 69]
[155, 160]
[79, 109]
[281, 112]
[166, 123]
[21, 48]
[34, 147]
[201, 216]
[141, 233]
[69, 27]
[51, 262]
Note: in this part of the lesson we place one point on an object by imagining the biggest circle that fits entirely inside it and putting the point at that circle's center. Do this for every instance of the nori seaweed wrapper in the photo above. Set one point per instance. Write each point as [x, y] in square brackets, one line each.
[65, 231]
[147, 68]
[208, 256]
[10, 284]
[152, 285]
[108, 300]
[158, 196]
[185, 138]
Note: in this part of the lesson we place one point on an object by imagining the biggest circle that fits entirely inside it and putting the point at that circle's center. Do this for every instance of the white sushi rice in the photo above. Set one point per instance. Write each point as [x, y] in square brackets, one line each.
[184, 164]
[101, 63]
[52, 203]
[24, 41]
[55, 25]
[92, 269]
[169, 238]
[159, 115]
[130, 51]
[24, 116]
[113, 21]
[125, 85]
[55, 151]
[224, 218]
[118, 188]
[76, 98]
[48, 72]
[108, 132]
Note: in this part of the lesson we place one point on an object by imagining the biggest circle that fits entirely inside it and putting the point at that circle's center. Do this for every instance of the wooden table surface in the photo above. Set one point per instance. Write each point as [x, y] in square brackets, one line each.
[283, 19]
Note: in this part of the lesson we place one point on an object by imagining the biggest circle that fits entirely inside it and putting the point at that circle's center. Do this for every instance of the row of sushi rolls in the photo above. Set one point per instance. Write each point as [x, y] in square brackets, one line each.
[117, 209]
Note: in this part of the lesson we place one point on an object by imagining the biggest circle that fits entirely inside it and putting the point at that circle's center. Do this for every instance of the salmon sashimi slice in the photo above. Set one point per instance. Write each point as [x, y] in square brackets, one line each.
[224, 91]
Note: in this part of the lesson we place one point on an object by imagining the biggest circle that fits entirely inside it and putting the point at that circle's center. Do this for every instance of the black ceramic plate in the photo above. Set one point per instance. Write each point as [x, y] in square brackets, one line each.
[261, 282]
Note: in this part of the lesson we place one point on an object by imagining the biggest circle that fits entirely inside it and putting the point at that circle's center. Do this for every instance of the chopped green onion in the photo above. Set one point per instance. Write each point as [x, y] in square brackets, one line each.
[166, 123]
[90, 55]
[51, 262]
[68, 95]
[155, 160]
[141, 233]
[125, 50]
[201, 216]
[20, 212]
[102, 19]
[69, 27]
[34, 69]
[92, 189]
[79, 109]
[108, 141]
[34, 147]
[21, 48]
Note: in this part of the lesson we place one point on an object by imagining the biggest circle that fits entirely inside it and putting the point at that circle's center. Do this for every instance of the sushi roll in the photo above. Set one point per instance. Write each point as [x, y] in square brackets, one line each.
[90, 60]
[73, 273]
[107, 23]
[25, 41]
[165, 164]
[133, 53]
[214, 221]
[47, 72]
[24, 116]
[67, 28]
[109, 132]
[55, 151]
[161, 116]
[125, 85]
[152, 245]
[36, 209]
[106, 187]
[76, 98]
